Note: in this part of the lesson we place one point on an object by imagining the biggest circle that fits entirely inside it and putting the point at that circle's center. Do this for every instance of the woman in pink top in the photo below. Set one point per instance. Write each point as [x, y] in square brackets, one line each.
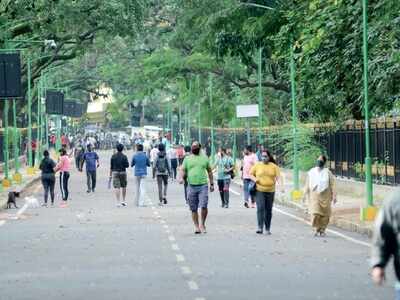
[64, 166]
[249, 160]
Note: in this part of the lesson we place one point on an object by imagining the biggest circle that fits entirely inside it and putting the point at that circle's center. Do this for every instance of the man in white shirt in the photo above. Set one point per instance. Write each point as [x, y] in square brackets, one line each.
[153, 156]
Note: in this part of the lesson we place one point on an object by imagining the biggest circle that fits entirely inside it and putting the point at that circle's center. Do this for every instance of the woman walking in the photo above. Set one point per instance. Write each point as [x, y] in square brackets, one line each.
[224, 166]
[48, 177]
[249, 160]
[64, 166]
[265, 174]
[320, 191]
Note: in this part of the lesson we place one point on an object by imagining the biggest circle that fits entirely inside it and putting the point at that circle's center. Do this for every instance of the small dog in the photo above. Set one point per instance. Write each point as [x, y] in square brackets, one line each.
[12, 199]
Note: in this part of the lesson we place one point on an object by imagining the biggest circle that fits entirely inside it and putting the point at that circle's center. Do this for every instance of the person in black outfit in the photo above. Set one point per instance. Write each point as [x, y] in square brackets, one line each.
[48, 177]
[119, 163]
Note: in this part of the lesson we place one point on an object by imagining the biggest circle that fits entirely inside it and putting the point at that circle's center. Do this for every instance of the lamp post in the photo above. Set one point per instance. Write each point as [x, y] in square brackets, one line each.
[212, 114]
[370, 211]
[294, 122]
[260, 97]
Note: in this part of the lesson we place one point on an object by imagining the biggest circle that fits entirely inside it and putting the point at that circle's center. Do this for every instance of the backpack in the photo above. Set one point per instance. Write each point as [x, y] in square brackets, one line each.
[161, 165]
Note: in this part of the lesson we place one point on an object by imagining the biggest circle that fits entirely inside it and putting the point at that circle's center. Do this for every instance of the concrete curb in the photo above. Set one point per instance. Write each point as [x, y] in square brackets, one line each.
[336, 220]
[22, 188]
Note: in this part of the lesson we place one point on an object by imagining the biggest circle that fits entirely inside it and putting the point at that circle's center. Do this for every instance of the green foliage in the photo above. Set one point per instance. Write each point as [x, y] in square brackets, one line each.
[308, 150]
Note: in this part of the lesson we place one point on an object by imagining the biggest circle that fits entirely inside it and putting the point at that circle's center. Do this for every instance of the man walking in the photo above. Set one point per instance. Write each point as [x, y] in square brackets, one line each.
[386, 241]
[119, 163]
[195, 169]
[92, 163]
[140, 162]
[153, 157]
[162, 171]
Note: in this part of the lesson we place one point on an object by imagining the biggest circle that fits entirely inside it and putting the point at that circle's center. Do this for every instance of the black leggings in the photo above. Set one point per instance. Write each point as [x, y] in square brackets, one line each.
[223, 188]
[174, 165]
[265, 202]
[64, 177]
[48, 182]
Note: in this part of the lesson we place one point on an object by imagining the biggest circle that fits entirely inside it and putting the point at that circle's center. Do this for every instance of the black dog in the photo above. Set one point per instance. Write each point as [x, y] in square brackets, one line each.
[11, 199]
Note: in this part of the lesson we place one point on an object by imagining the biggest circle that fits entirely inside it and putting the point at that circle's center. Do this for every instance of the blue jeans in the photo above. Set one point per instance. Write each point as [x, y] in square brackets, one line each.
[397, 288]
[246, 191]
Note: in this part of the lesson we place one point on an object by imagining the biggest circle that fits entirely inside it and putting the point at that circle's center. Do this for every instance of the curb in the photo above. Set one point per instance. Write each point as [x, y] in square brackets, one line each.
[336, 221]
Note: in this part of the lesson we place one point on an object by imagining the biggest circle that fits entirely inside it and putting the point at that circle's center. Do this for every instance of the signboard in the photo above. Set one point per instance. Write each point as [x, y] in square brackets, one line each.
[54, 102]
[69, 107]
[79, 110]
[10, 75]
[247, 111]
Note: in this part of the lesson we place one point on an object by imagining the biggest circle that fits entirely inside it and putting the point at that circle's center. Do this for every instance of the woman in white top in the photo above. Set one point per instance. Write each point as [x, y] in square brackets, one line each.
[320, 190]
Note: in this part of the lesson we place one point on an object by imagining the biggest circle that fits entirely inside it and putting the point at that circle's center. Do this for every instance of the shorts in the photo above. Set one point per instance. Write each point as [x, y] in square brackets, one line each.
[119, 180]
[198, 196]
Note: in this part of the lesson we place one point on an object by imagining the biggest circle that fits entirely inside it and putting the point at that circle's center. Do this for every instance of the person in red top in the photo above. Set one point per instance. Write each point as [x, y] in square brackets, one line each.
[180, 153]
[34, 147]
[64, 141]
[53, 140]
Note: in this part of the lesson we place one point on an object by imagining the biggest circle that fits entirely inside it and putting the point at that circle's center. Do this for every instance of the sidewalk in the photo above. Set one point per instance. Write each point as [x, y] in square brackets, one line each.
[346, 212]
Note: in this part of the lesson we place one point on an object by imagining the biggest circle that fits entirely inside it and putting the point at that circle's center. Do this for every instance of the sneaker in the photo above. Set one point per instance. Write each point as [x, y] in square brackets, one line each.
[88, 191]
[52, 204]
[268, 232]
[259, 231]
[253, 205]
[246, 205]
[63, 204]
[226, 205]
[44, 204]
[92, 190]
[118, 205]
[160, 203]
[165, 201]
[124, 204]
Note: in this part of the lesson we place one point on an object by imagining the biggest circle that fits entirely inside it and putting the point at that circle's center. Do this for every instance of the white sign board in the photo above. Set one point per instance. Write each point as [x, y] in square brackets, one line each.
[247, 111]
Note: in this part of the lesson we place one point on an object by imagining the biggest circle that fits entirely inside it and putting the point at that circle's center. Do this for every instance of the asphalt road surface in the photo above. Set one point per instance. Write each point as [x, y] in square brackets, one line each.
[95, 250]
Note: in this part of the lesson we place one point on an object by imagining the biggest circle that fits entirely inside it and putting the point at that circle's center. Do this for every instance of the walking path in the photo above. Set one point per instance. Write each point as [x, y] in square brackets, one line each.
[93, 249]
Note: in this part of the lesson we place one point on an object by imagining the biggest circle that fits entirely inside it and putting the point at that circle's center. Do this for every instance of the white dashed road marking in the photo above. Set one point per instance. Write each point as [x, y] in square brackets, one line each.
[234, 192]
[171, 238]
[186, 270]
[193, 285]
[180, 258]
[2, 222]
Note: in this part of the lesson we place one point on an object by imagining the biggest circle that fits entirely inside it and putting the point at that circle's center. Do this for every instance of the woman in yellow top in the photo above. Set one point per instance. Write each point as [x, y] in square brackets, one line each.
[265, 174]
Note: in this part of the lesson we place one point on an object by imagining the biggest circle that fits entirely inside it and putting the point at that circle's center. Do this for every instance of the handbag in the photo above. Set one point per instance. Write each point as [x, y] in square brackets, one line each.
[252, 187]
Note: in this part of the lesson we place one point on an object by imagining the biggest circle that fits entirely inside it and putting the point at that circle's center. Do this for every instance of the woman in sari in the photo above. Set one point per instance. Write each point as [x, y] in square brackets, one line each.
[320, 191]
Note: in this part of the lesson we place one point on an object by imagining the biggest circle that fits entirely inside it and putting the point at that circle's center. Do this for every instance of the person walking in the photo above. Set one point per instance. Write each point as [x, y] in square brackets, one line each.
[249, 160]
[162, 171]
[92, 163]
[79, 150]
[173, 158]
[118, 165]
[64, 166]
[265, 174]
[48, 177]
[224, 165]
[321, 193]
[195, 169]
[386, 241]
[187, 153]
[153, 157]
[140, 162]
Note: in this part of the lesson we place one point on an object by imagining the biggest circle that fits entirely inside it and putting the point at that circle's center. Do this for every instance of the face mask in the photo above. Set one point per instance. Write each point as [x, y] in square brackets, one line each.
[320, 163]
[195, 151]
[265, 159]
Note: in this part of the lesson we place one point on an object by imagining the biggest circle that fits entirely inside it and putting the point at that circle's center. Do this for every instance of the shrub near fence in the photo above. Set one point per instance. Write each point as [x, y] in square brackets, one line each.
[345, 147]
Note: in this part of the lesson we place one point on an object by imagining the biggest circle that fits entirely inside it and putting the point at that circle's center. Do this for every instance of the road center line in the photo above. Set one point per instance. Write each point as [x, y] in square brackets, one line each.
[193, 285]
[186, 270]
[180, 258]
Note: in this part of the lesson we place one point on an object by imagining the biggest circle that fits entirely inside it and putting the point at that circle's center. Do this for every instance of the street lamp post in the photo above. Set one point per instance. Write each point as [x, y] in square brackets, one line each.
[370, 211]
[260, 97]
[296, 182]
[212, 118]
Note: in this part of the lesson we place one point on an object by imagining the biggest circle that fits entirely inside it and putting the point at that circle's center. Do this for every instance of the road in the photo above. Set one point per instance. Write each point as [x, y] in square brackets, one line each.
[95, 250]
